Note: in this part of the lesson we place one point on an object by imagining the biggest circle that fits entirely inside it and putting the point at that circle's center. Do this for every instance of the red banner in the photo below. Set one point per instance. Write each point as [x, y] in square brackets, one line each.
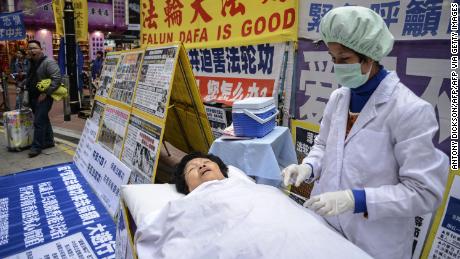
[226, 90]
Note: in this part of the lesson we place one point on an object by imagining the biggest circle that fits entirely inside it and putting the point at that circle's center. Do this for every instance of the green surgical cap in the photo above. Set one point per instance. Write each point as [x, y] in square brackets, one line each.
[358, 28]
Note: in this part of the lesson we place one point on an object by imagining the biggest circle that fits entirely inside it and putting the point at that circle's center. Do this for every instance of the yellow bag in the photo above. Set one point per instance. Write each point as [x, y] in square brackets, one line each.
[57, 95]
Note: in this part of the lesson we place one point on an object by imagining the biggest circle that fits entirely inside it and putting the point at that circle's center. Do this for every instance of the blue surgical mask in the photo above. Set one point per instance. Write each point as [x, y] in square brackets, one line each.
[349, 75]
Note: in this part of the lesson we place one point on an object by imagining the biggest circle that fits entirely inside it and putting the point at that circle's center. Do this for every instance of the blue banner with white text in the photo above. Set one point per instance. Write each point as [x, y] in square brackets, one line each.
[53, 213]
[12, 26]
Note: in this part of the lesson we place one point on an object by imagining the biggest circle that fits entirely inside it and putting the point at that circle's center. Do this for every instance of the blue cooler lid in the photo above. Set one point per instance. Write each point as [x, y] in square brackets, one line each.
[254, 103]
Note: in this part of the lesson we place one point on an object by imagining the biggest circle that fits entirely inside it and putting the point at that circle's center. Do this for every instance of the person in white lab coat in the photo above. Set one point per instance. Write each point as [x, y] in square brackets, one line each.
[374, 163]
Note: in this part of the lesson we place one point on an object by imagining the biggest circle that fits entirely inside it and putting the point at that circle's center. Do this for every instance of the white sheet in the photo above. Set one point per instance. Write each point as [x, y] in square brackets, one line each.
[238, 219]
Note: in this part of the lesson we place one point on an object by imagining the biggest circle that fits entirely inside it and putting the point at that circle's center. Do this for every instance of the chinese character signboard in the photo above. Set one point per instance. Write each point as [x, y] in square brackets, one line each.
[51, 213]
[103, 171]
[234, 73]
[421, 66]
[303, 135]
[12, 26]
[198, 23]
[407, 20]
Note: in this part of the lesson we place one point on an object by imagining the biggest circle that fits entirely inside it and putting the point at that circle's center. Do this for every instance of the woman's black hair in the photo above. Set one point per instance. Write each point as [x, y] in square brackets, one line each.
[179, 174]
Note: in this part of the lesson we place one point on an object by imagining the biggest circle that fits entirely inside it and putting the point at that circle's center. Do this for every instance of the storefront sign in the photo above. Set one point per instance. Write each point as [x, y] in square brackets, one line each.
[199, 23]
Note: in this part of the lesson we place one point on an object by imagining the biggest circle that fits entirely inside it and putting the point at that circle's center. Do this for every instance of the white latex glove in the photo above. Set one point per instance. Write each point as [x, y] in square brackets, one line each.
[331, 203]
[296, 173]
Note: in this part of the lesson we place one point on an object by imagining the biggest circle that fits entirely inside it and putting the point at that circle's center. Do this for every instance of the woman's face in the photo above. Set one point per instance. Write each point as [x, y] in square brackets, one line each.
[200, 170]
[343, 55]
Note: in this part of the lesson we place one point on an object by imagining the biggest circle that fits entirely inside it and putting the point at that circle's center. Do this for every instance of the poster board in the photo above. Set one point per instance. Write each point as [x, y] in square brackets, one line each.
[444, 236]
[101, 169]
[187, 124]
[127, 71]
[303, 136]
[153, 96]
[107, 75]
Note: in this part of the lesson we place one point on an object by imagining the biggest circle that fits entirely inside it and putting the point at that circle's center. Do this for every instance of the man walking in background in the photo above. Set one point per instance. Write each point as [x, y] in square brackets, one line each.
[42, 67]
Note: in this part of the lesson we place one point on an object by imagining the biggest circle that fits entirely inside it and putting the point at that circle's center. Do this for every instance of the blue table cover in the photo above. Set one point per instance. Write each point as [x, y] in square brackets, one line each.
[262, 158]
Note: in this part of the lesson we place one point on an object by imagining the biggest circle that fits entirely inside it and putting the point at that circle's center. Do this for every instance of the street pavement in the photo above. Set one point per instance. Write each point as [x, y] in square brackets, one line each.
[66, 133]
[14, 162]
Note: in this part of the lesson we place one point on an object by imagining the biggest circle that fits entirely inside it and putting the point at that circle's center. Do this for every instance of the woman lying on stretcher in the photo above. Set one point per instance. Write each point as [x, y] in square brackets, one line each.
[232, 217]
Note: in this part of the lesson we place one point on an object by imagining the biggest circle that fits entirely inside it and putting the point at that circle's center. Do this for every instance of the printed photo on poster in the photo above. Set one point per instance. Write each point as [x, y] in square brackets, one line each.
[141, 146]
[217, 118]
[126, 76]
[97, 111]
[154, 80]
[107, 75]
[112, 130]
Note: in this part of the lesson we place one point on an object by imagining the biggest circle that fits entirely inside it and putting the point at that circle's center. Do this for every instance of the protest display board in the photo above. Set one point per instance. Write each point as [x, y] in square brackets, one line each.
[444, 238]
[217, 24]
[103, 171]
[53, 213]
[217, 119]
[132, 119]
[154, 81]
[124, 244]
[303, 136]
[187, 126]
[97, 111]
[225, 75]
[126, 76]
[86, 145]
[141, 148]
[113, 128]
[107, 74]
[422, 225]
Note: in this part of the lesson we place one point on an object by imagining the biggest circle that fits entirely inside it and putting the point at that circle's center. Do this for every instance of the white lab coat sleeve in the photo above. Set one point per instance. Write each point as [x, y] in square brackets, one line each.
[423, 169]
[316, 153]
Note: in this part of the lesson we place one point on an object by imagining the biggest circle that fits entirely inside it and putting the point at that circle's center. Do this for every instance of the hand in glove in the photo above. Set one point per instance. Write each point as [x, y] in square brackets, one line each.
[331, 203]
[296, 173]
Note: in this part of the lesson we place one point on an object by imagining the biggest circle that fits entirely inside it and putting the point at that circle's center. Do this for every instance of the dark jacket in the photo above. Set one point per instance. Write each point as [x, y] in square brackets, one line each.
[47, 69]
